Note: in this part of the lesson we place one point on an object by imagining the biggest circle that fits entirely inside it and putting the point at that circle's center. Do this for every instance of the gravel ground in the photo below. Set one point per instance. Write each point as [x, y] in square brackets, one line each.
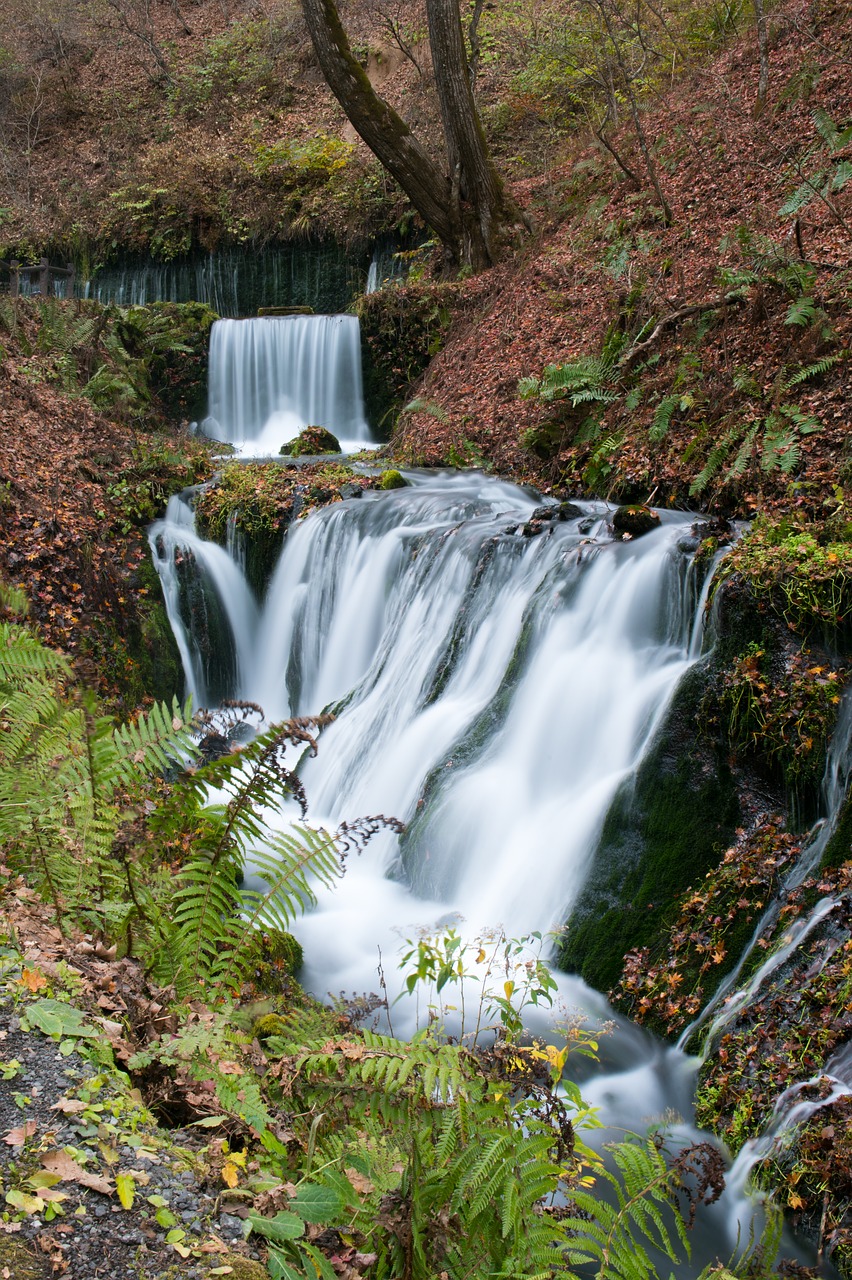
[95, 1236]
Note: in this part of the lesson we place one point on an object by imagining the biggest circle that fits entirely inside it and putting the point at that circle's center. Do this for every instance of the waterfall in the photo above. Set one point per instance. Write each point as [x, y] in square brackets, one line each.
[236, 281]
[271, 377]
[211, 609]
[387, 264]
[492, 690]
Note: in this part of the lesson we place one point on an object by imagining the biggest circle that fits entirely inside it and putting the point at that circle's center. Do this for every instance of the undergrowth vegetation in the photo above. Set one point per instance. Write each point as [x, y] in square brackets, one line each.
[127, 361]
[460, 1150]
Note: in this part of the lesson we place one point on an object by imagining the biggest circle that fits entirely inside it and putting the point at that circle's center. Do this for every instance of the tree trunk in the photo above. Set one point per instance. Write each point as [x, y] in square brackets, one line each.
[483, 208]
[763, 49]
[385, 133]
[468, 208]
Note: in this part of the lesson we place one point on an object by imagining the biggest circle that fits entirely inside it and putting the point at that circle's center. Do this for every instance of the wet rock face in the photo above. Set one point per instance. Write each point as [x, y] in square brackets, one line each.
[635, 520]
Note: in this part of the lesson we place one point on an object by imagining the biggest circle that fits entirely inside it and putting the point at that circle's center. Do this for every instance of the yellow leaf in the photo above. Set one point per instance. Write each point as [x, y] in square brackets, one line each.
[481, 956]
[509, 987]
[126, 1188]
[230, 1177]
[795, 1201]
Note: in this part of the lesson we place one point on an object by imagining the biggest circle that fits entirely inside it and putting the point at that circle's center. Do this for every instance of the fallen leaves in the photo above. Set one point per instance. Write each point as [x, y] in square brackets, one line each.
[18, 1136]
[33, 979]
[69, 1170]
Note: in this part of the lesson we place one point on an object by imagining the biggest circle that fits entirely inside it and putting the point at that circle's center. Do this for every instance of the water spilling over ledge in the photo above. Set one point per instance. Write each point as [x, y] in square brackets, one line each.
[271, 377]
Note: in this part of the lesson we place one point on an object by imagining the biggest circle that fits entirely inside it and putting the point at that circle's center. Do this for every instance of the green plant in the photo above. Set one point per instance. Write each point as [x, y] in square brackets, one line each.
[785, 720]
[64, 772]
[830, 172]
[803, 580]
[774, 441]
[450, 1152]
[580, 389]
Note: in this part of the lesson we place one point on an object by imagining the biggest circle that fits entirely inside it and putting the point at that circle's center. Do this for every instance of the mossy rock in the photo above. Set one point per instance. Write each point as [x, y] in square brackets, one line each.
[392, 480]
[271, 1024]
[635, 520]
[311, 441]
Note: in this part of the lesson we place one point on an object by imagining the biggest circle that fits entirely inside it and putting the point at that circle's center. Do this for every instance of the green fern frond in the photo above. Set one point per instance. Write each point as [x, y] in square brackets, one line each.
[663, 415]
[421, 405]
[802, 312]
[816, 370]
[738, 467]
[715, 458]
[802, 196]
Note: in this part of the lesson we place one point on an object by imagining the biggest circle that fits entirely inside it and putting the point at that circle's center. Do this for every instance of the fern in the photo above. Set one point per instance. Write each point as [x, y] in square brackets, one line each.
[715, 458]
[815, 370]
[202, 935]
[663, 415]
[738, 467]
[580, 381]
[615, 1237]
[421, 405]
[802, 312]
[64, 769]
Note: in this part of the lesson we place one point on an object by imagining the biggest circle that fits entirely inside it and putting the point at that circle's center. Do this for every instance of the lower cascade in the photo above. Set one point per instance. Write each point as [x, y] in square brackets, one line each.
[270, 377]
[493, 679]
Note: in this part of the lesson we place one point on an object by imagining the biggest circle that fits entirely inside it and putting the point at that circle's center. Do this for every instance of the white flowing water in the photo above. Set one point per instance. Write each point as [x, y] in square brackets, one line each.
[271, 377]
[180, 554]
[492, 690]
[794, 1107]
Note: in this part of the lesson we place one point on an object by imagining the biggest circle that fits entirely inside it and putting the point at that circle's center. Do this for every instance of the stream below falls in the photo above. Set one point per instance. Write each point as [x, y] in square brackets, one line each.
[490, 689]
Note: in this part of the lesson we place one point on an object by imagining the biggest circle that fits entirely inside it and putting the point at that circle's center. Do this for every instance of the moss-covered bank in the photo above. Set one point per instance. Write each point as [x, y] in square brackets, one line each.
[257, 502]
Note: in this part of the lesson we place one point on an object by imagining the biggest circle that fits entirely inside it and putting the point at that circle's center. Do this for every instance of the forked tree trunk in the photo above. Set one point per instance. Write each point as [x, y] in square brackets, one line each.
[467, 209]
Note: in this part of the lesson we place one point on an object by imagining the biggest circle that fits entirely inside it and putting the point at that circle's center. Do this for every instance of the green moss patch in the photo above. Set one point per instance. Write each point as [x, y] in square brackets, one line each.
[795, 574]
[262, 499]
[664, 830]
[312, 440]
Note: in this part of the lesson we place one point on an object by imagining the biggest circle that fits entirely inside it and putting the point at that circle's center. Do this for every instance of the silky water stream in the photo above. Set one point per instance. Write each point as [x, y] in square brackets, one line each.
[490, 689]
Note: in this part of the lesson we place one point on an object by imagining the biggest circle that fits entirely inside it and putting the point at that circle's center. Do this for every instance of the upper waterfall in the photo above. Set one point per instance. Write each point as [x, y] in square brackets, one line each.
[492, 689]
[273, 376]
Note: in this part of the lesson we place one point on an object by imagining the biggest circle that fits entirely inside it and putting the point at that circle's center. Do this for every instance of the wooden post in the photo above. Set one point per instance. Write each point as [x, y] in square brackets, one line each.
[43, 277]
[69, 287]
[14, 277]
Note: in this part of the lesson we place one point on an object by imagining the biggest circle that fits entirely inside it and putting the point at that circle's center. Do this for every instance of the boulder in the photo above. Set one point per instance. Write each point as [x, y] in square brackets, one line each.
[635, 520]
[392, 480]
[311, 440]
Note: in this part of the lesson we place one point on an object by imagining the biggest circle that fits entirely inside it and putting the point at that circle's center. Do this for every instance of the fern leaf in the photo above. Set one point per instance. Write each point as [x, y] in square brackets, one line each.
[815, 370]
[663, 415]
[801, 197]
[715, 458]
[826, 128]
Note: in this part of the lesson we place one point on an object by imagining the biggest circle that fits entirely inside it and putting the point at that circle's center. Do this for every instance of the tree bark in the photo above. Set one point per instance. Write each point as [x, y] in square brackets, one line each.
[483, 209]
[468, 208]
[385, 133]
